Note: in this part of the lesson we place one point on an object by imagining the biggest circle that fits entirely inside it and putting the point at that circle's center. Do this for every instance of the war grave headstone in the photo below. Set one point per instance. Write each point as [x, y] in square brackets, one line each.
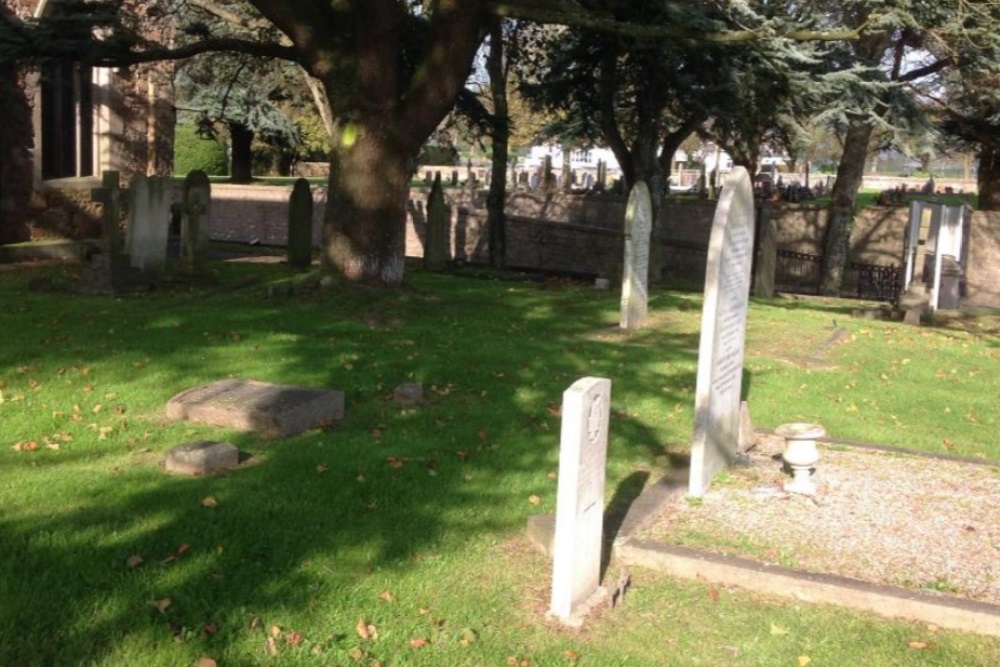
[723, 332]
[148, 222]
[300, 216]
[436, 243]
[272, 410]
[579, 524]
[638, 225]
[195, 213]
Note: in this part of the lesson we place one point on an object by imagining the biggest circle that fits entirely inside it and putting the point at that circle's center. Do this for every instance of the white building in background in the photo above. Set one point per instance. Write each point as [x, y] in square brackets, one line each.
[578, 159]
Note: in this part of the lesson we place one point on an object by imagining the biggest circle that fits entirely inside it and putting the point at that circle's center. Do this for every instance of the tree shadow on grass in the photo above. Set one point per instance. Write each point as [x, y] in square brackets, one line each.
[320, 521]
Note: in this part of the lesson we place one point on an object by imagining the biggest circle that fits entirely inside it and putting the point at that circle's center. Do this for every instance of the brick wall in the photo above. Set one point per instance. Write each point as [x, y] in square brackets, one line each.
[983, 279]
[583, 233]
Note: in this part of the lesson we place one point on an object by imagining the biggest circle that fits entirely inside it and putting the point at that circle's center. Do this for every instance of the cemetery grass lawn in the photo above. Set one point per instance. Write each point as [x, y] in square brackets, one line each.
[410, 521]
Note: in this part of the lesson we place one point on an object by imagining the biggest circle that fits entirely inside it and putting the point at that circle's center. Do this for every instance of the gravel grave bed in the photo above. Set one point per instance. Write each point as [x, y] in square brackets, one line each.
[892, 518]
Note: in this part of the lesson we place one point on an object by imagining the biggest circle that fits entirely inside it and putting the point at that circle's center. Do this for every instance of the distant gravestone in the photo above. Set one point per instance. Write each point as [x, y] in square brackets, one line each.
[195, 211]
[635, 291]
[148, 222]
[106, 272]
[766, 266]
[583, 446]
[300, 215]
[202, 458]
[436, 246]
[723, 332]
[272, 410]
[408, 394]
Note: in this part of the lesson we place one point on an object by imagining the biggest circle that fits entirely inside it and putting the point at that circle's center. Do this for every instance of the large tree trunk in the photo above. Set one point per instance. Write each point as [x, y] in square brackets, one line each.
[850, 173]
[241, 160]
[364, 227]
[989, 177]
[15, 158]
[496, 221]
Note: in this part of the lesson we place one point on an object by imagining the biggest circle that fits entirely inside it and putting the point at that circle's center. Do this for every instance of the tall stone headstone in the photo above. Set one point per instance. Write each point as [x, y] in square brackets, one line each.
[300, 215]
[436, 245]
[196, 210]
[723, 332]
[583, 448]
[148, 222]
[635, 275]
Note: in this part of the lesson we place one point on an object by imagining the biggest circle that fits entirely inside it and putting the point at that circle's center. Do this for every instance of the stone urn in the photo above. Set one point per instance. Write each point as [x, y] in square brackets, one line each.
[801, 454]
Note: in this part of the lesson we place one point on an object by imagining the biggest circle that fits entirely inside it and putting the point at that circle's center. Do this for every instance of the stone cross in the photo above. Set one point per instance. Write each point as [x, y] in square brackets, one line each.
[300, 215]
[196, 210]
[723, 332]
[635, 277]
[436, 243]
[583, 447]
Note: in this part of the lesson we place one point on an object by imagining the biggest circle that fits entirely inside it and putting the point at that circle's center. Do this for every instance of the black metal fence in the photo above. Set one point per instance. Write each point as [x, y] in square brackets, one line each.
[800, 272]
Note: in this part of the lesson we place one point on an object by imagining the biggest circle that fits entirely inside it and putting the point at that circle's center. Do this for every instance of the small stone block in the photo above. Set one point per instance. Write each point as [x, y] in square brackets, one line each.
[408, 393]
[202, 458]
[542, 532]
[272, 410]
[602, 284]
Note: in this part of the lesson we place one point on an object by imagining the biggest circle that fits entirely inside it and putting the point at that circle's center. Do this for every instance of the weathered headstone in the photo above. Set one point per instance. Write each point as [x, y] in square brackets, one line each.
[723, 332]
[273, 410]
[300, 215]
[202, 458]
[436, 245]
[196, 210]
[635, 291]
[148, 222]
[583, 446]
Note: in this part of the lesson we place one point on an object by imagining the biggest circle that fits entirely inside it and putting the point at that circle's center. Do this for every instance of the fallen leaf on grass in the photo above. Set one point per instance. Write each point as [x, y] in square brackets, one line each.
[206, 662]
[210, 629]
[919, 646]
[322, 467]
[133, 561]
[209, 502]
[387, 596]
[778, 630]
[419, 642]
[466, 637]
[713, 594]
[366, 630]
[570, 654]
[294, 638]
[534, 499]
[394, 463]
[161, 605]
[275, 631]
[804, 660]
[270, 647]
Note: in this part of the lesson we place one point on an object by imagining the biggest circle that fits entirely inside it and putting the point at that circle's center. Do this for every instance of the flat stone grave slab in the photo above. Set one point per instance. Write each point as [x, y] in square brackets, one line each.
[272, 410]
[202, 458]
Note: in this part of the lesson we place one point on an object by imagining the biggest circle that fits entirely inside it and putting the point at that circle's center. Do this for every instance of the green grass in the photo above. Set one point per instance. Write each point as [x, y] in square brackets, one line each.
[319, 531]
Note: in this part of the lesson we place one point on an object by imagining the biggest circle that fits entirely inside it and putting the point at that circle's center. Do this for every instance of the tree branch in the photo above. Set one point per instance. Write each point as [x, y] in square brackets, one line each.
[574, 16]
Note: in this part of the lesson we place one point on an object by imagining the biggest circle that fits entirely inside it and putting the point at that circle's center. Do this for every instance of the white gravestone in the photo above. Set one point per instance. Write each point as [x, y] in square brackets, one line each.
[723, 331]
[583, 447]
[635, 277]
[148, 222]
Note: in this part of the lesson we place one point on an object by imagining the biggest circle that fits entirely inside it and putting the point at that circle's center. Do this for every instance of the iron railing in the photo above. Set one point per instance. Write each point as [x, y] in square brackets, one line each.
[800, 272]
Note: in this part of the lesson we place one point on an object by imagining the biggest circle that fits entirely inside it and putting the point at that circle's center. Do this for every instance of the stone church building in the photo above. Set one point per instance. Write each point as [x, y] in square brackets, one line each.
[64, 123]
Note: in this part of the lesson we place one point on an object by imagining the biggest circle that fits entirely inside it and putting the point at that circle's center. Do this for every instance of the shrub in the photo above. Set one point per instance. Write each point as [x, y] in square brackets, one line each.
[193, 151]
